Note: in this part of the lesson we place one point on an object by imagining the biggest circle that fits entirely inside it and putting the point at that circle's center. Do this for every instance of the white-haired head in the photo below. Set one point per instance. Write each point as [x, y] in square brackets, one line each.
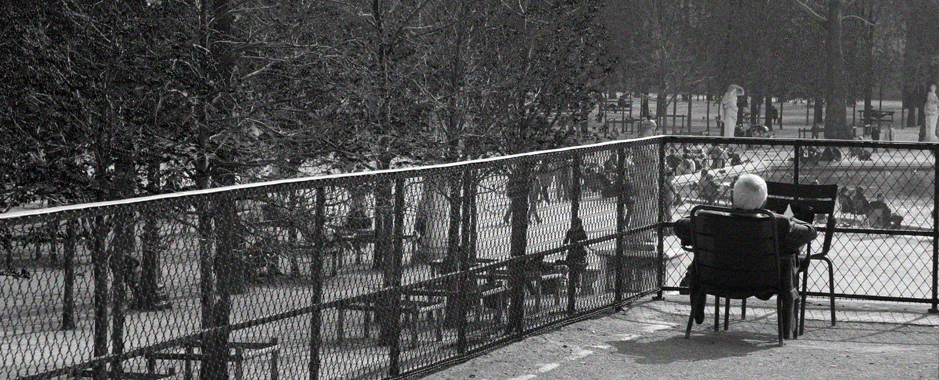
[749, 192]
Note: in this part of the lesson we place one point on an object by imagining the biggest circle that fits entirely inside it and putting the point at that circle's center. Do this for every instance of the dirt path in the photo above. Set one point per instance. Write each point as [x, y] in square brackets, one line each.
[647, 342]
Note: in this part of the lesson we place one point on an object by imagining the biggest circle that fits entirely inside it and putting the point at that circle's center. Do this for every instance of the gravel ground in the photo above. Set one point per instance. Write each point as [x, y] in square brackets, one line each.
[646, 341]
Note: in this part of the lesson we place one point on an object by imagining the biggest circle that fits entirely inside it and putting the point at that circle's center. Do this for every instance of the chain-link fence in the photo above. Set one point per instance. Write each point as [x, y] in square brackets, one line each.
[883, 245]
[386, 274]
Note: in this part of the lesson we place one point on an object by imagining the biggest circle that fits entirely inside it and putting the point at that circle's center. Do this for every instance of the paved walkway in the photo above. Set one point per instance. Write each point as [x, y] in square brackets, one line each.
[872, 340]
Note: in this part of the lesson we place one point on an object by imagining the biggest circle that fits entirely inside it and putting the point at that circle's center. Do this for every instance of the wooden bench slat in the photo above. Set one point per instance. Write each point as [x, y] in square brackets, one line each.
[130, 375]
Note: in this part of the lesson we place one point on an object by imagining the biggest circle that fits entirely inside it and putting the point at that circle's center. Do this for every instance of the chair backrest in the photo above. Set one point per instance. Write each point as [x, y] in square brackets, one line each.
[736, 249]
[820, 198]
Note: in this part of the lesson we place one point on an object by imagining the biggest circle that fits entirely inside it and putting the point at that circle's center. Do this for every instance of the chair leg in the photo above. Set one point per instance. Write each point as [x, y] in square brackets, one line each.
[831, 287]
[743, 309]
[688, 328]
[726, 313]
[805, 284]
[794, 320]
[538, 290]
[339, 325]
[779, 320]
[412, 323]
[437, 317]
[717, 312]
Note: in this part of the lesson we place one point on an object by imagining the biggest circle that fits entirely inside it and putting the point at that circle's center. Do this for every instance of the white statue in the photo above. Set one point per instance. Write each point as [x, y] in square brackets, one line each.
[648, 127]
[931, 109]
[728, 109]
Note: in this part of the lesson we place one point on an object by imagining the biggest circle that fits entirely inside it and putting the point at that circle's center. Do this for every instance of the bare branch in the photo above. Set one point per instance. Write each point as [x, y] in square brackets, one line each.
[811, 12]
[859, 18]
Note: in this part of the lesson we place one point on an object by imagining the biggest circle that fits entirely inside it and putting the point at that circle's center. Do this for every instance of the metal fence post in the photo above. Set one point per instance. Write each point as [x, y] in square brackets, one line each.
[395, 283]
[68, 262]
[119, 264]
[99, 257]
[519, 187]
[795, 162]
[935, 234]
[467, 279]
[316, 275]
[660, 229]
[576, 163]
[618, 254]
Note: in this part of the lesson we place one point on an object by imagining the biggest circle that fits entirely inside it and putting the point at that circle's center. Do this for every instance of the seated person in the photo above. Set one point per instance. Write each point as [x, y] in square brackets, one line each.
[717, 156]
[130, 267]
[750, 194]
[708, 190]
[881, 215]
[847, 203]
[861, 204]
[686, 166]
[576, 259]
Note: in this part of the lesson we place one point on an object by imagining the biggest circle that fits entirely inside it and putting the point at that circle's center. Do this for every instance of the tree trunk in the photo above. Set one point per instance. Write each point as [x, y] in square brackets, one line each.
[433, 243]
[836, 126]
[755, 106]
[384, 231]
[122, 252]
[661, 106]
[151, 296]
[215, 218]
[819, 112]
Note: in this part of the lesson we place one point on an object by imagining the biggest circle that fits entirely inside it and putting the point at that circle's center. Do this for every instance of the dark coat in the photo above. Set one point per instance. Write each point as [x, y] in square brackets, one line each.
[793, 233]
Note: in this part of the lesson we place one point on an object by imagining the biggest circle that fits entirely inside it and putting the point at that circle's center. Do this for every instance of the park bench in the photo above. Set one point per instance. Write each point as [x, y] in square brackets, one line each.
[354, 241]
[242, 351]
[410, 306]
[805, 133]
[150, 375]
[638, 266]
[679, 123]
[876, 116]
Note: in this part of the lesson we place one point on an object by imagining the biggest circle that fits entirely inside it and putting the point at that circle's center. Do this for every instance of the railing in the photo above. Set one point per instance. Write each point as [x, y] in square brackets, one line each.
[395, 273]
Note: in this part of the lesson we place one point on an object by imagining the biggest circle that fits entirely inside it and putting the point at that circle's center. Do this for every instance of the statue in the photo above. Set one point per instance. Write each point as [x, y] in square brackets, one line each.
[728, 109]
[931, 109]
[647, 127]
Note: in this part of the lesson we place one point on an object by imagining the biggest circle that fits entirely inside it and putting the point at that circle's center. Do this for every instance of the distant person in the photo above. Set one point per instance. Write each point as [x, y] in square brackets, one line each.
[707, 188]
[686, 166]
[861, 205]
[931, 109]
[728, 109]
[880, 215]
[672, 159]
[771, 115]
[672, 198]
[847, 203]
[576, 259]
[717, 156]
[742, 105]
[130, 267]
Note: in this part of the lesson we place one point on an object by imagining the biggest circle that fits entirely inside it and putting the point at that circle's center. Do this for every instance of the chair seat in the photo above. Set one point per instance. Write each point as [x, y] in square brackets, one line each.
[421, 306]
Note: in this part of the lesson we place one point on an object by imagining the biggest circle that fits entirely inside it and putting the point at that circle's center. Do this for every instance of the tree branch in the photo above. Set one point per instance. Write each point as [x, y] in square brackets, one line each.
[811, 12]
[859, 18]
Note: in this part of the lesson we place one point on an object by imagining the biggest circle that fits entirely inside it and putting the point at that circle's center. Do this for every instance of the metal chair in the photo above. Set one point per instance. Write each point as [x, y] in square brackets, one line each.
[736, 256]
[810, 200]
